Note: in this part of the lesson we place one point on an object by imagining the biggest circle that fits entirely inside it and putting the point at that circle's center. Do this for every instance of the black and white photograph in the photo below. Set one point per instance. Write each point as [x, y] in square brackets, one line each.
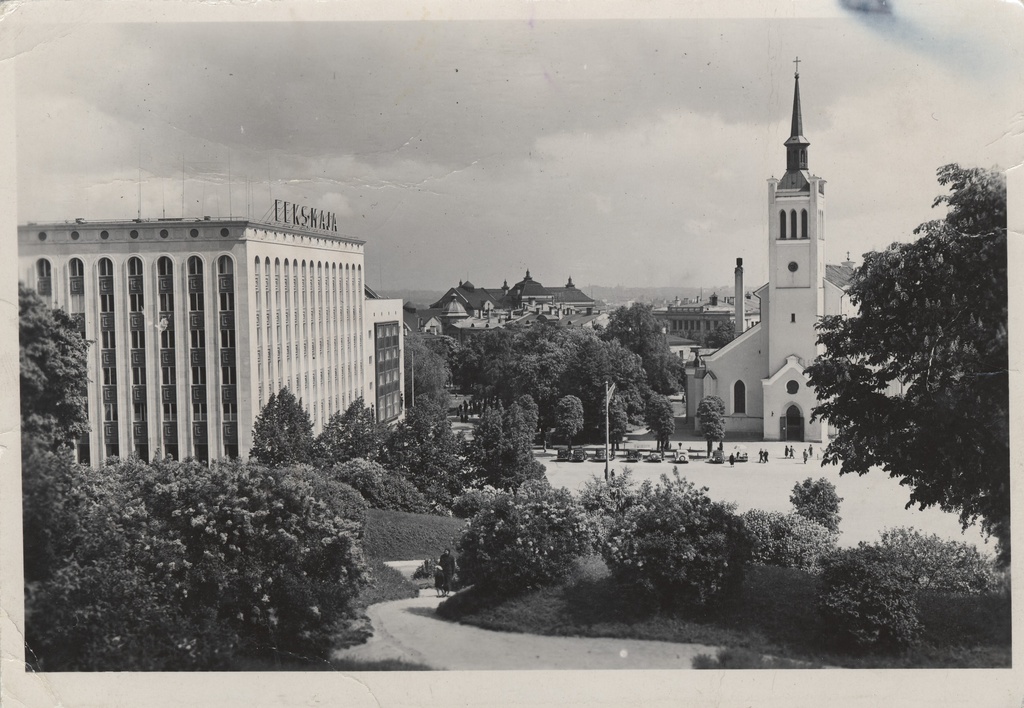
[532, 354]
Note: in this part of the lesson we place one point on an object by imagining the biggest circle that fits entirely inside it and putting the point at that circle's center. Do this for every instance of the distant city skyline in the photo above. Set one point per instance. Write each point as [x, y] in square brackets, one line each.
[615, 151]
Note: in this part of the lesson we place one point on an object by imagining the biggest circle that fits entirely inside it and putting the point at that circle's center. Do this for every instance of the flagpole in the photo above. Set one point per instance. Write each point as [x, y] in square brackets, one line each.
[607, 398]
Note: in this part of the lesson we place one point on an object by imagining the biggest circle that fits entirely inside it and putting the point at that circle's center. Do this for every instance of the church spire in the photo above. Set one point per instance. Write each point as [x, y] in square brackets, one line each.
[796, 146]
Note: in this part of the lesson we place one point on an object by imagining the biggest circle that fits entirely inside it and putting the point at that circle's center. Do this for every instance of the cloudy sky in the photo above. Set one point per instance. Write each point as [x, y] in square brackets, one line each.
[625, 151]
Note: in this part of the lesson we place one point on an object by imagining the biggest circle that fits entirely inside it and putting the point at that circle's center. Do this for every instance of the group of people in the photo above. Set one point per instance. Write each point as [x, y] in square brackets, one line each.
[808, 454]
[444, 572]
[762, 456]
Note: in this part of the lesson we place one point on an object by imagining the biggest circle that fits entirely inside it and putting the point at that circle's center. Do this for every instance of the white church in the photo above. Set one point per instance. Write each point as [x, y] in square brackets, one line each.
[760, 374]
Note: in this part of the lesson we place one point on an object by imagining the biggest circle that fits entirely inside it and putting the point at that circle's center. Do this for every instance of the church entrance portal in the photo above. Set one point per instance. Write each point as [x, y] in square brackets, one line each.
[792, 425]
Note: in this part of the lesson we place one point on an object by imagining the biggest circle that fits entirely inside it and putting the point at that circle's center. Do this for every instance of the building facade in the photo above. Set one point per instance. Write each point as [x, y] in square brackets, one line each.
[760, 374]
[194, 323]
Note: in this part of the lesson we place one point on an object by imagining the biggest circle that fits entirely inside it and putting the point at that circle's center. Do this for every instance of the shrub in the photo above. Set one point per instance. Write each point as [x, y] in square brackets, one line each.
[938, 564]
[471, 501]
[523, 540]
[380, 487]
[677, 546]
[787, 540]
[817, 500]
[867, 601]
[425, 571]
[179, 565]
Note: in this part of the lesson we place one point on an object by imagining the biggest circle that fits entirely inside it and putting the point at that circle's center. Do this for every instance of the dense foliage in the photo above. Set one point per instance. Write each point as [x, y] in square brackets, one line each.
[660, 419]
[353, 434]
[282, 433]
[471, 501]
[917, 382]
[674, 544]
[523, 540]
[568, 418]
[937, 564]
[501, 451]
[381, 488]
[54, 371]
[427, 371]
[816, 499]
[787, 540]
[711, 412]
[867, 602]
[636, 329]
[548, 363]
[424, 449]
[177, 565]
[720, 336]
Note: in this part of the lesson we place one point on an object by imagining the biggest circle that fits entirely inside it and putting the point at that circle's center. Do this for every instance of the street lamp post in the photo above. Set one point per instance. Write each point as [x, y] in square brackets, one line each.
[607, 399]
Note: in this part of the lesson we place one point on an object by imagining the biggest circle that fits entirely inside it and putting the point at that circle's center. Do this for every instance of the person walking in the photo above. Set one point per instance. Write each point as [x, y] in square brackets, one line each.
[805, 457]
[447, 564]
[732, 460]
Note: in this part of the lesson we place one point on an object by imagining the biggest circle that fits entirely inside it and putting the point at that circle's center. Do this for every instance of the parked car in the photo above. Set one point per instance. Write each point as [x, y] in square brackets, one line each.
[655, 456]
[600, 456]
[739, 453]
[717, 456]
[633, 456]
[579, 455]
[681, 457]
[564, 455]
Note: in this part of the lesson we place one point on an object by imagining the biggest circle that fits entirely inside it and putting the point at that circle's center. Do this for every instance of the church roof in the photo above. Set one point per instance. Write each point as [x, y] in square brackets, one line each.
[839, 275]
[528, 287]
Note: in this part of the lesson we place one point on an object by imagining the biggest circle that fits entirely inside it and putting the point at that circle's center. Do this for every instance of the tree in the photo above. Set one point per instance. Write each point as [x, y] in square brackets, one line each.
[501, 451]
[282, 433]
[722, 335]
[711, 411]
[381, 488]
[660, 419]
[636, 328]
[569, 418]
[430, 374]
[916, 383]
[530, 413]
[354, 434]
[618, 421]
[424, 449]
[54, 371]
[817, 500]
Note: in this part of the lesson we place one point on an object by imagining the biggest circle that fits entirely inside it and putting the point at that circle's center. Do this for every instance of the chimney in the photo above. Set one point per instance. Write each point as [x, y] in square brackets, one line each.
[739, 297]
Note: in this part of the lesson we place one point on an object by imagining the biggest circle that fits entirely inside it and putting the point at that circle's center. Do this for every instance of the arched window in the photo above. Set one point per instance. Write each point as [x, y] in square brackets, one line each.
[44, 282]
[792, 224]
[134, 266]
[195, 266]
[782, 224]
[225, 266]
[164, 266]
[803, 223]
[106, 268]
[739, 397]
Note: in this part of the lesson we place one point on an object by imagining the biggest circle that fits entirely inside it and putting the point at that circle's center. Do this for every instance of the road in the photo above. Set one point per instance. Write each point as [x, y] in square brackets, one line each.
[410, 630]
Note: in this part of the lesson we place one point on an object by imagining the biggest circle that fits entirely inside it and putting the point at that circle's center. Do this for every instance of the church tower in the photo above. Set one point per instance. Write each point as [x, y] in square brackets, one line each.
[796, 251]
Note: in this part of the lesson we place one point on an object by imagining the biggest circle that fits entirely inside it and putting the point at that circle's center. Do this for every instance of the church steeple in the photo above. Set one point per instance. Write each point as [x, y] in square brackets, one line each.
[796, 146]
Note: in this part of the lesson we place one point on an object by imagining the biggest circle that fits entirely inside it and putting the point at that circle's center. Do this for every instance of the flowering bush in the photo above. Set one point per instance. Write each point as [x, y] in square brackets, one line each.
[937, 564]
[523, 539]
[380, 487]
[867, 601]
[179, 565]
[817, 500]
[787, 540]
[471, 501]
[676, 545]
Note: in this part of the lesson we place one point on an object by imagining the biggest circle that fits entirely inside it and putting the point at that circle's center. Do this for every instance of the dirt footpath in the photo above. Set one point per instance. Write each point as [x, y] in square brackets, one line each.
[410, 630]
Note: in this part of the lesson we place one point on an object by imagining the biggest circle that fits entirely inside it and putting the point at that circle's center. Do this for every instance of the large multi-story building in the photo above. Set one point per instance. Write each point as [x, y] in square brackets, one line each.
[194, 323]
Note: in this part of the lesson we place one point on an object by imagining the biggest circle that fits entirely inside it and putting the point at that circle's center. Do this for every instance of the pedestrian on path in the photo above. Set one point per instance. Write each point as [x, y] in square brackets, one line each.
[439, 581]
[805, 457]
[447, 564]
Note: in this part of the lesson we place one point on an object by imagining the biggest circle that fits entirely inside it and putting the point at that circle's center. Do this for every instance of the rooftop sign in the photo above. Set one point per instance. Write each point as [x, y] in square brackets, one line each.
[304, 216]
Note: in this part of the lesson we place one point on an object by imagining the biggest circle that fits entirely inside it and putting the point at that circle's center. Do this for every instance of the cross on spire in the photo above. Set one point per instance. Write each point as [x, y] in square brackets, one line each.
[797, 63]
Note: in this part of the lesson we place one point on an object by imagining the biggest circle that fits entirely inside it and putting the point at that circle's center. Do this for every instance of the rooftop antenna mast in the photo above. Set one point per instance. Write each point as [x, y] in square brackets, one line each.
[182, 185]
[230, 212]
[140, 180]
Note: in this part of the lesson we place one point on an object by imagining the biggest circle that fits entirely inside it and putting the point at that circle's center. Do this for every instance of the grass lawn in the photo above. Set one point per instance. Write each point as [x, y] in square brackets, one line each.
[399, 535]
[774, 616]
